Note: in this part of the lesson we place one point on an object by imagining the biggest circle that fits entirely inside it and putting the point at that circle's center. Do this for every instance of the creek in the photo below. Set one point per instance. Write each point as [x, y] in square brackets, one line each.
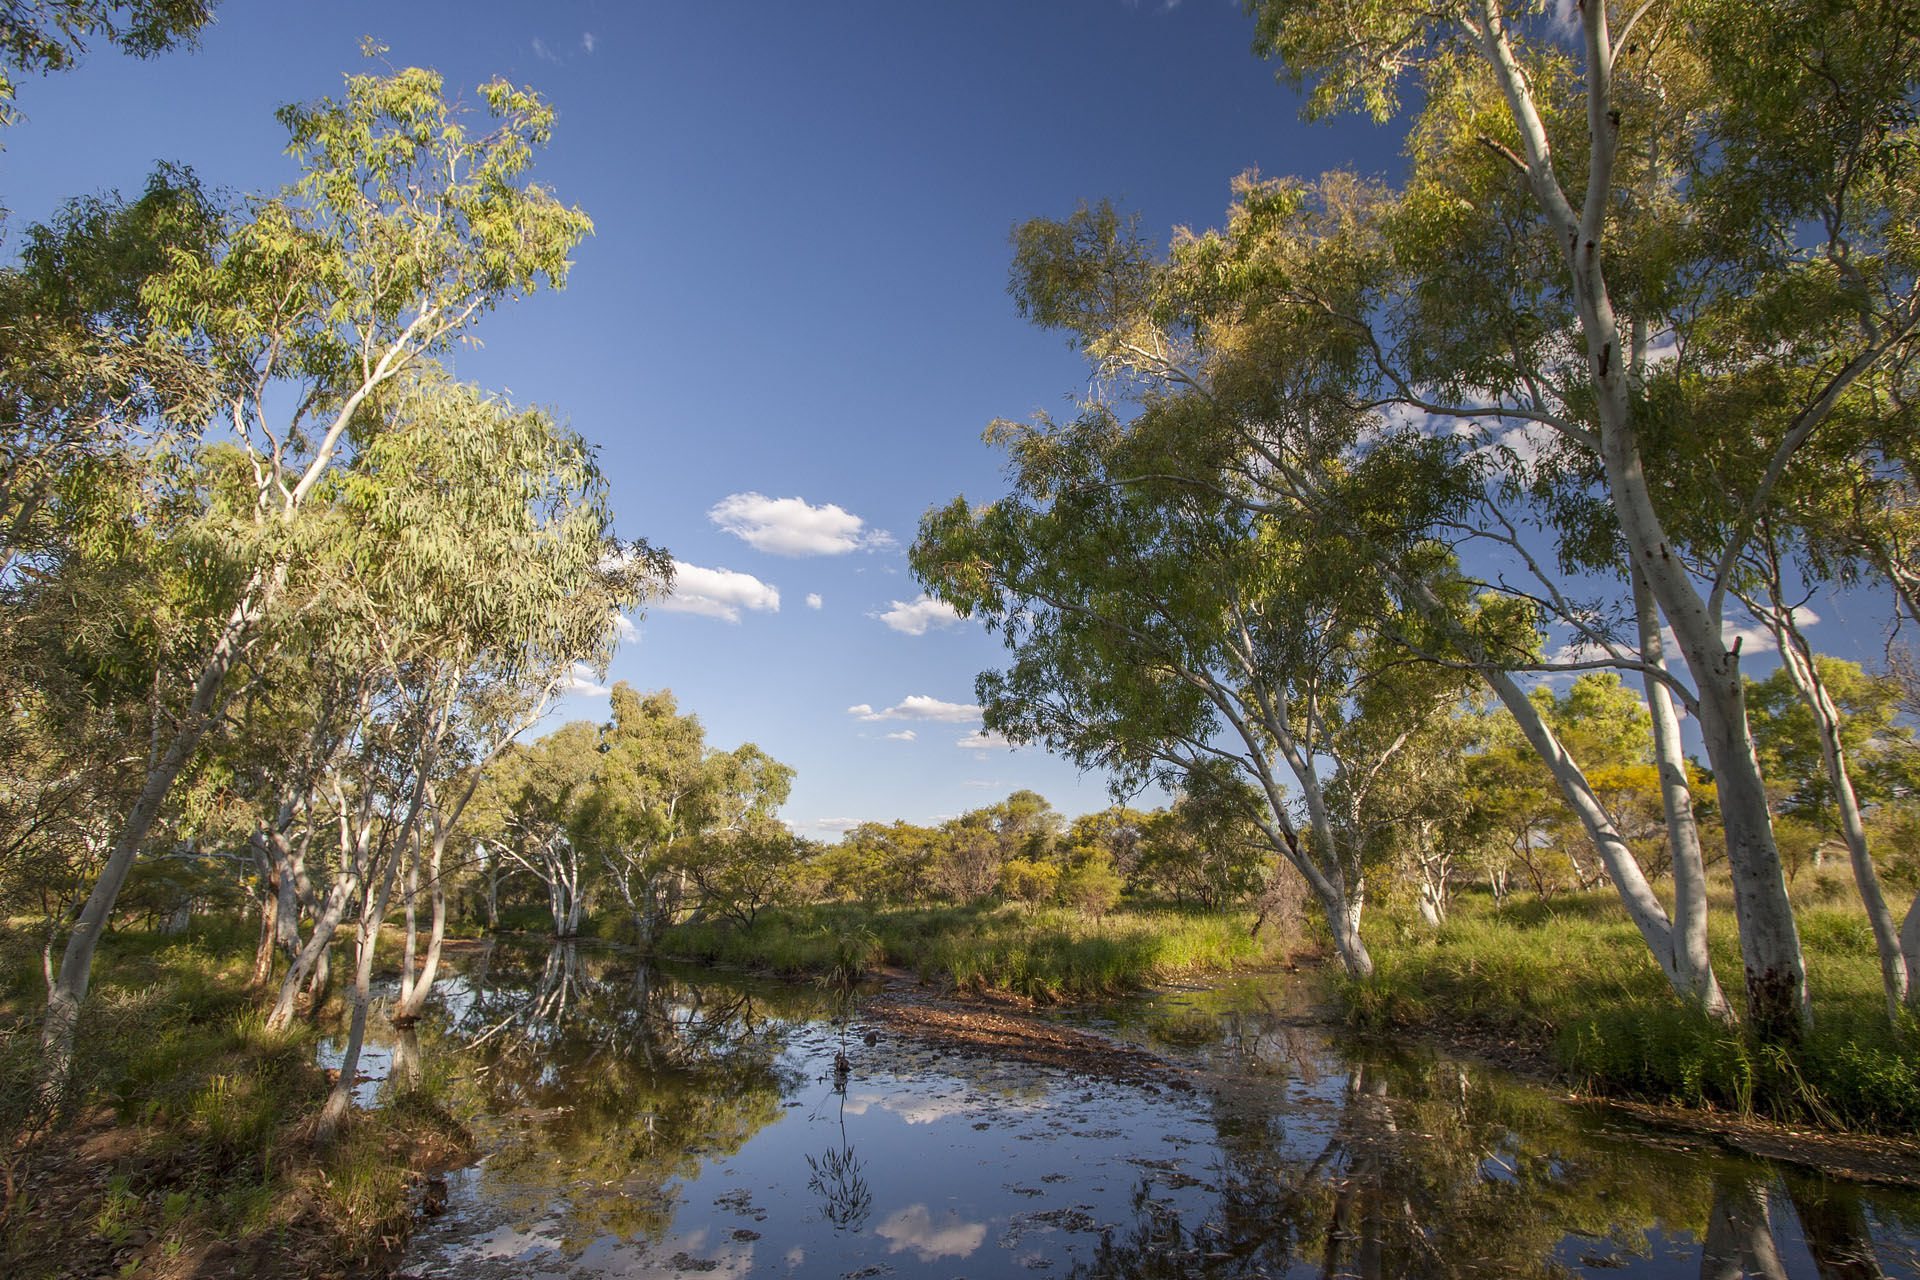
[638, 1121]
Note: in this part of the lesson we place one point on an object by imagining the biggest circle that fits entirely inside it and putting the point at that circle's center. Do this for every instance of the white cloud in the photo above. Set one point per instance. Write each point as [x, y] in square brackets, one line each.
[905, 735]
[545, 54]
[580, 680]
[913, 617]
[793, 526]
[813, 600]
[823, 826]
[982, 740]
[717, 593]
[913, 1228]
[918, 706]
[588, 41]
[623, 627]
[1753, 637]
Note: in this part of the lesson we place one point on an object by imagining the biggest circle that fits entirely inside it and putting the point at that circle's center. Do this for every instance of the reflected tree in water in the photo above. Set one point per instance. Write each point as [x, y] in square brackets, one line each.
[846, 1201]
[619, 1080]
[1432, 1173]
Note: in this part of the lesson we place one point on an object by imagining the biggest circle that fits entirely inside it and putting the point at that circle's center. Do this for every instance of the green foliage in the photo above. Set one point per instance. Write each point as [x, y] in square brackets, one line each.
[1029, 881]
[1879, 751]
[1570, 978]
[1091, 886]
[41, 36]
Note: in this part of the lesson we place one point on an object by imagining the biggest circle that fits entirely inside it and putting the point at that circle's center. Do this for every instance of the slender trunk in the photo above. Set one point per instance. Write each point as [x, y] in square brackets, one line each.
[1643, 906]
[321, 985]
[1433, 876]
[355, 848]
[313, 954]
[1797, 657]
[1691, 962]
[412, 947]
[1776, 981]
[269, 930]
[416, 1000]
[573, 893]
[69, 988]
[334, 1114]
[295, 892]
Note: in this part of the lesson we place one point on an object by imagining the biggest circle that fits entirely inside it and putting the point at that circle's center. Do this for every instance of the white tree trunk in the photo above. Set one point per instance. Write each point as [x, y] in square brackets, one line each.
[415, 1000]
[1691, 962]
[373, 911]
[1776, 979]
[1796, 656]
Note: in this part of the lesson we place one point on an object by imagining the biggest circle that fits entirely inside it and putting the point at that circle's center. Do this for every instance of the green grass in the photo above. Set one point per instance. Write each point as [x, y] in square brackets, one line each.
[1047, 955]
[1573, 977]
[174, 1050]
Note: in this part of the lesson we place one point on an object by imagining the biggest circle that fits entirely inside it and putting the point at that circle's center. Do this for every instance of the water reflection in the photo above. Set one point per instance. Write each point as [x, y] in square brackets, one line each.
[1433, 1169]
[611, 1081]
[845, 1198]
[650, 1123]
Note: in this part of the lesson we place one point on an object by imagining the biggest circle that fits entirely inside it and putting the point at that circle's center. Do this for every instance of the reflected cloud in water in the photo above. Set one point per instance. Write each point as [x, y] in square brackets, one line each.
[913, 1228]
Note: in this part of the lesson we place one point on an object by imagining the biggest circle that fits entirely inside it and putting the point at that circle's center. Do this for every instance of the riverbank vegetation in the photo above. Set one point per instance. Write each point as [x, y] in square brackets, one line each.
[1562, 982]
[1373, 452]
[1048, 954]
[186, 1143]
[1412, 536]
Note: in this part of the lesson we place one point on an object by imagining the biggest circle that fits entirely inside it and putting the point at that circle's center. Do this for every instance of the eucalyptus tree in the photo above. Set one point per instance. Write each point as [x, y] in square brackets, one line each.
[1666, 177]
[475, 573]
[539, 787]
[85, 380]
[1404, 807]
[1203, 847]
[674, 821]
[1164, 634]
[1821, 725]
[1252, 396]
[405, 225]
[648, 791]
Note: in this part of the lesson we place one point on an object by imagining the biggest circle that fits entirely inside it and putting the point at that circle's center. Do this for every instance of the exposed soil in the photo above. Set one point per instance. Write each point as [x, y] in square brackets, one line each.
[998, 1027]
[68, 1231]
[1857, 1157]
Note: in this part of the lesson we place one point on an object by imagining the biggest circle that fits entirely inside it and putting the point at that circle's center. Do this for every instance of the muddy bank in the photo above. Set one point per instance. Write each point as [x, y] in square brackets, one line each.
[981, 1027]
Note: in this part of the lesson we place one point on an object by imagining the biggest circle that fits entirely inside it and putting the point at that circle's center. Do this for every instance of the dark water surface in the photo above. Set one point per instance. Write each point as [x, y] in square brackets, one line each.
[649, 1123]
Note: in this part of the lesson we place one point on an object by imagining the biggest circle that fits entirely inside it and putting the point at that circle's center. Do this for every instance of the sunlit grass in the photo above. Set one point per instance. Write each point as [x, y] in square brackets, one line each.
[1573, 976]
[1046, 955]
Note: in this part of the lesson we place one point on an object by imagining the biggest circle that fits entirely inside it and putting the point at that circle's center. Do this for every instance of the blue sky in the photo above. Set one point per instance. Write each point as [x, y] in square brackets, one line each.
[796, 289]
[791, 323]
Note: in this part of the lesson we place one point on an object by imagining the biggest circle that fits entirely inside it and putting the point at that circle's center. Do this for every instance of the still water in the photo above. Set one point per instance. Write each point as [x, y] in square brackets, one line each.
[648, 1123]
